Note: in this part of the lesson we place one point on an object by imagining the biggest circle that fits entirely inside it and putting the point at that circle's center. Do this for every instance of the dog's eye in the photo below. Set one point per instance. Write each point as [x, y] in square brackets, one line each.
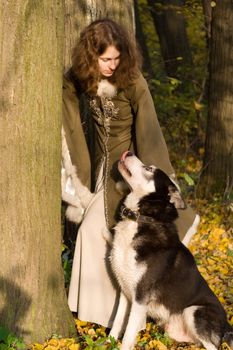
[149, 168]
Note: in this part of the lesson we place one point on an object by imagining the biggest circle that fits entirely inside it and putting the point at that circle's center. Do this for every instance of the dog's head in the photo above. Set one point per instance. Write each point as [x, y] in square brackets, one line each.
[146, 180]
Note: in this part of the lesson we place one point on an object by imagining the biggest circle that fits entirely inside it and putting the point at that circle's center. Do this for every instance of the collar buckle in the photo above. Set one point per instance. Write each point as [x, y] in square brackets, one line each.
[129, 214]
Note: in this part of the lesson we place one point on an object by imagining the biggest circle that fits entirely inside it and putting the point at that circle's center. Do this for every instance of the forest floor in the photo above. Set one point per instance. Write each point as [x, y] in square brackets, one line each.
[212, 247]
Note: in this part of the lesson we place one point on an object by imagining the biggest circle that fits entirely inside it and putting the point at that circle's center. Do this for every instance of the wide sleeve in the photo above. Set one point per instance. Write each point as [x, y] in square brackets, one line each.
[74, 134]
[151, 147]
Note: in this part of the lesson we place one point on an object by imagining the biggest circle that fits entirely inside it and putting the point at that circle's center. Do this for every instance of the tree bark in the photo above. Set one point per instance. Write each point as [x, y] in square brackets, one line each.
[32, 295]
[218, 163]
[170, 25]
[79, 14]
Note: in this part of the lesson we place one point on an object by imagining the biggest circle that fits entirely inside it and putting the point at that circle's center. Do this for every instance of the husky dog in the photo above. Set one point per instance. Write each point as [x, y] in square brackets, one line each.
[157, 274]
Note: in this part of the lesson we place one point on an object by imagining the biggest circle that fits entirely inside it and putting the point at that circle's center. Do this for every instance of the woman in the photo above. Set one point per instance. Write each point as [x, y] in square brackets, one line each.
[107, 109]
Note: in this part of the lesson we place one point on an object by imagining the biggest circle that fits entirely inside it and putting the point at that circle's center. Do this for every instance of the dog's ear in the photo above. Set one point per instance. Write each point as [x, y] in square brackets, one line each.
[175, 197]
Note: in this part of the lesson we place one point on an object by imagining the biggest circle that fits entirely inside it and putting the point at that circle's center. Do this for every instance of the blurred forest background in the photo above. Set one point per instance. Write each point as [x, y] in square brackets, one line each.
[178, 49]
[172, 36]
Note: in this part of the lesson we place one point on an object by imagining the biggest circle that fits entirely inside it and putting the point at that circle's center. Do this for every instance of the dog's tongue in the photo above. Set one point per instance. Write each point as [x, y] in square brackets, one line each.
[123, 156]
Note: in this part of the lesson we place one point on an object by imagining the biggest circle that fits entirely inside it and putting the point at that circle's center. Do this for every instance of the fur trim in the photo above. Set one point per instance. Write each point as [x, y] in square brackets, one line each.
[106, 89]
[74, 214]
[191, 231]
[74, 192]
[173, 179]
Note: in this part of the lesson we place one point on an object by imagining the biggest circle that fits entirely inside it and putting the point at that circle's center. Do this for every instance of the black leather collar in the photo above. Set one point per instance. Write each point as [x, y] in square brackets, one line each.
[129, 214]
[135, 215]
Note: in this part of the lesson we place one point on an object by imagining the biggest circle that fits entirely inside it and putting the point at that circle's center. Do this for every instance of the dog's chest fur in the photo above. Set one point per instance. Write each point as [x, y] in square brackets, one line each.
[123, 257]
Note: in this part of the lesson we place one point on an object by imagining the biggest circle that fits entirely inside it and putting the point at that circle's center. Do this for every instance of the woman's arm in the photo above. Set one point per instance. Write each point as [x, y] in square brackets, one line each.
[150, 144]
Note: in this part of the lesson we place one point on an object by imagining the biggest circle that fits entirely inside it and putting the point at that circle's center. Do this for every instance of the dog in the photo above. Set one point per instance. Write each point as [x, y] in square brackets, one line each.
[157, 274]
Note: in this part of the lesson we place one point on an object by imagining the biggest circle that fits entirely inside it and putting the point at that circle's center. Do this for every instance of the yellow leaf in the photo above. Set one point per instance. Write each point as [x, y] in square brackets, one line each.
[224, 271]
[65, 342]
[91, 332]
[156, 344]
[211, 261]
[53, 342]
[37, 346]
[81, 323]
[225, 346]
[221, 299]
[148, 326]
[74, 347]
[197, 106]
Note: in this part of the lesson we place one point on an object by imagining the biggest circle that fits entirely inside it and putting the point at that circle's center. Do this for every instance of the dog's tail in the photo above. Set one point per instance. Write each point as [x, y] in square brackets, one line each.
[228, 336]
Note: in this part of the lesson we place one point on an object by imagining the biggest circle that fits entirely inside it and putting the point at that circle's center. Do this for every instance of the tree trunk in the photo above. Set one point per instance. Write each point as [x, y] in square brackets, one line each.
[218, 164]
[32, 295]
[170, 25]
[207, 11]
[78, 14]
[141, 38]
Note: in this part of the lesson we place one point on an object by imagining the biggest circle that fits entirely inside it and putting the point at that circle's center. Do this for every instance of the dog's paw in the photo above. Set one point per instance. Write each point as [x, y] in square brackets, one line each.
[115, 335]
[127, 346]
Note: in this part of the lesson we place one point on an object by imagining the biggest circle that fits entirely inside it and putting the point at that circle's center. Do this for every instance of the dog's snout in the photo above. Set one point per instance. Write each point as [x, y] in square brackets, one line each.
[129, 154]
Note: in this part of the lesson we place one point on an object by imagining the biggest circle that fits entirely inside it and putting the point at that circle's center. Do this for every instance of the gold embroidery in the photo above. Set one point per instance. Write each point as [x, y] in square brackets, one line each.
[104, 112]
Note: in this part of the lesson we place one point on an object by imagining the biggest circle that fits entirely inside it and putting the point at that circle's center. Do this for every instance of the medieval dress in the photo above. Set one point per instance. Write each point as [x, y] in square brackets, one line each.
[118, 120]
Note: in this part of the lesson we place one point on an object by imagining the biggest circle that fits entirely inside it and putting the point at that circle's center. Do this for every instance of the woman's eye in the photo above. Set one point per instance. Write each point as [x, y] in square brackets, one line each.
[104, 59]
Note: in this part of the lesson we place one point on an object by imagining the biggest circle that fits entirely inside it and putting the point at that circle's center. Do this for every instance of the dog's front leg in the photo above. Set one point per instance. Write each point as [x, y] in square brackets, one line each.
[137, 320]
[120, 317]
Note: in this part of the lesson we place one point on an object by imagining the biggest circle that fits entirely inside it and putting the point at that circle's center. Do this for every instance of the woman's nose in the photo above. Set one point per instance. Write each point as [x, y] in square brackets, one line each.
[112, 65]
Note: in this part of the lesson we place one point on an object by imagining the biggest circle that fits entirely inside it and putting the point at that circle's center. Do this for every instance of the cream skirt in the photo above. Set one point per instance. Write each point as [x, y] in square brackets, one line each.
[93, 292]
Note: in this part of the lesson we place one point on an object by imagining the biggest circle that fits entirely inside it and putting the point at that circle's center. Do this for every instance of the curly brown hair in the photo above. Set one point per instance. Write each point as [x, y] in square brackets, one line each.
[93, 42]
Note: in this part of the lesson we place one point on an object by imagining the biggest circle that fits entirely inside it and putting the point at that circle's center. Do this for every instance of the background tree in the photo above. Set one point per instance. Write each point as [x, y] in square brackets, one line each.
[32, 295]
[170, 25]
[218, 163]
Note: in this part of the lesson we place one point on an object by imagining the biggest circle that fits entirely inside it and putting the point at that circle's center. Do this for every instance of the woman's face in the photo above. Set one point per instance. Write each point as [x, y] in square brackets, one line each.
[109, 61]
